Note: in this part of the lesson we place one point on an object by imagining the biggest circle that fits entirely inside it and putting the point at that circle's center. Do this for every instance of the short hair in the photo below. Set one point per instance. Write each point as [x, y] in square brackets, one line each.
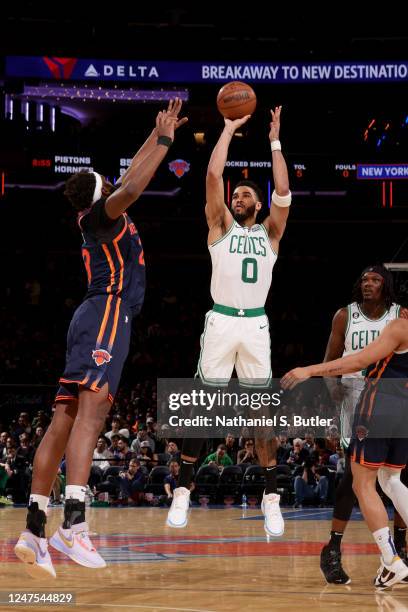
[254, 186]
[124, 439]
[298, 441]
[387, 288]
[79, 189]
[221, 447]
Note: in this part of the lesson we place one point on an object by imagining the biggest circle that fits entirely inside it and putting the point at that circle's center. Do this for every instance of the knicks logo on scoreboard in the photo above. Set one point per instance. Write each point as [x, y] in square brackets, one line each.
[179, 167]
[100, 356]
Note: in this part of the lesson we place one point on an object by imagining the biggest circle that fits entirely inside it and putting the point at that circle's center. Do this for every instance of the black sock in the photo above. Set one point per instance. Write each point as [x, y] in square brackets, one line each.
[186, 474]
[74, 513]
[335, 540]
[36, 520]
[400, 534]
[270, 479]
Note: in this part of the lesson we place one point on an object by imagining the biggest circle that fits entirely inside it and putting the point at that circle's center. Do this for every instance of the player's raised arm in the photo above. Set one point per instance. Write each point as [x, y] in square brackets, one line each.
[394, 337]
[173, 110]
[218, 216]
[275, 223]
[335, 346]
[140, 174]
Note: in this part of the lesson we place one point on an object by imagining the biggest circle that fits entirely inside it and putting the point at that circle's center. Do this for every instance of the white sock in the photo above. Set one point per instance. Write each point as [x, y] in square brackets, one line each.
[386, 544]
[75, 492]
[42, 501]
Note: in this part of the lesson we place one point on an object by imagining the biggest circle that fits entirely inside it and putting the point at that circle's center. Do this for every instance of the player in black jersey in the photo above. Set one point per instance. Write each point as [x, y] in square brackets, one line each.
[379, 447]
[97, 346]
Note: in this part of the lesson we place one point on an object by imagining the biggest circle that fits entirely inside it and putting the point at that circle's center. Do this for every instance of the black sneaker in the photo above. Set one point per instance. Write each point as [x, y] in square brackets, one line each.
[330, 564]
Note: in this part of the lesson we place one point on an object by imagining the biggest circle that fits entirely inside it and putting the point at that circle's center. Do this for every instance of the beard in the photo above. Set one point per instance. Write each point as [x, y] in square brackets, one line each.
[244, 214]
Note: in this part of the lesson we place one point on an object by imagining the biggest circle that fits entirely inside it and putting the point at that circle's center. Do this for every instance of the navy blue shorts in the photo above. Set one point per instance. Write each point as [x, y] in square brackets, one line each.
[97, 347]
[380, 435]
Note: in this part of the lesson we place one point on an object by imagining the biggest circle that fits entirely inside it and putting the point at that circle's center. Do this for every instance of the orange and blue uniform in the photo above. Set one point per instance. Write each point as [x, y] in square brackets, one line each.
[381, 420]
[99, 333]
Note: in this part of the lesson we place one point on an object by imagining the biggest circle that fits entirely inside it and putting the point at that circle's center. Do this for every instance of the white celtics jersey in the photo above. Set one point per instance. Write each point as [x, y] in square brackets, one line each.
[242, 264]
[361, 330]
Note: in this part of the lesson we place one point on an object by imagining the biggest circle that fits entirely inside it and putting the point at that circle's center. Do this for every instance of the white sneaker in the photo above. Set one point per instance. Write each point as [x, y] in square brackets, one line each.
[388, 575]
[274, 524]
[33, 551]
[75, 543]
[178, 512]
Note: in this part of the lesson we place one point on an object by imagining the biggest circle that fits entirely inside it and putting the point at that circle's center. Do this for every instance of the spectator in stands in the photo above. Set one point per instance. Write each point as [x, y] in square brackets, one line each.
[40, 420]
[123, 454]
[145, 456]
[248, 454]
[100, 461]
[3, 439]
[320, 454]
[22, 426]
[132, 482]
[231, 446]
[25, 450]
[142, 436]
[310, 485]
[333, 459]
[171, 481]
[18, 482]
[171, 453]
[283, 450]
[220, 458]
[332, 438]
[38, 436]
[298, 455]
[308, 443]
[116, 428]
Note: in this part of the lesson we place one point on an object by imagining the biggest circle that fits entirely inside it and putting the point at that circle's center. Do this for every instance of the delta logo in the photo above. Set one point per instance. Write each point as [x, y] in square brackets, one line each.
[100, 356]
[179, 167]
[60, 67]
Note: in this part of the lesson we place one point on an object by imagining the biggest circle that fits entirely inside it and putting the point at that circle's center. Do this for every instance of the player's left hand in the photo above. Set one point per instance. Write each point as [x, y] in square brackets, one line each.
[173, 110]
[275, 123]
[294, 377]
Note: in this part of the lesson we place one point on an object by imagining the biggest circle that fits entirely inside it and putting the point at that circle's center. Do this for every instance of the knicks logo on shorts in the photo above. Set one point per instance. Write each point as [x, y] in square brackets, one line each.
[101, 356]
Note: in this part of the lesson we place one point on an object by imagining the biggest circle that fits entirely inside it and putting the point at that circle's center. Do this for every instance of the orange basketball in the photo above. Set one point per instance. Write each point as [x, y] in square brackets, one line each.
[236, 99]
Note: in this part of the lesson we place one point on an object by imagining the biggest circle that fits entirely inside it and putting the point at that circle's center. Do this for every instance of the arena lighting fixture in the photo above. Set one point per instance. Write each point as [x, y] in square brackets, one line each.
[101, 94]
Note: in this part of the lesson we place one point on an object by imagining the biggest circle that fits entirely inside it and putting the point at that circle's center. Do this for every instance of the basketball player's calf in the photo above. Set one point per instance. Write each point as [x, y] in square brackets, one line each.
[330, 557]
[266, 449]
[72, 537]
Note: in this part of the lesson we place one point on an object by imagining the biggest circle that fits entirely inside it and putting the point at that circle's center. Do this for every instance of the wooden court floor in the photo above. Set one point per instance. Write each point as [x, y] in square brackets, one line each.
[220, 563]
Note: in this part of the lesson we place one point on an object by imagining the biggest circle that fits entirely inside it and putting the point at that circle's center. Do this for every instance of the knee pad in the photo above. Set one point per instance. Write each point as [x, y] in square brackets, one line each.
[388, 480]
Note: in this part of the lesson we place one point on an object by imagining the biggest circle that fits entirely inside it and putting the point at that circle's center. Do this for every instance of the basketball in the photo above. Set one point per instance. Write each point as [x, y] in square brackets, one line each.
[236, 99]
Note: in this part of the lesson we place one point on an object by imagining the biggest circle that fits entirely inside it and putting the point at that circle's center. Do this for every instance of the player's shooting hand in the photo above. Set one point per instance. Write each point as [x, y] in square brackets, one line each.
[275, 123]
[233, 125]
[294, 377]
[173, 110]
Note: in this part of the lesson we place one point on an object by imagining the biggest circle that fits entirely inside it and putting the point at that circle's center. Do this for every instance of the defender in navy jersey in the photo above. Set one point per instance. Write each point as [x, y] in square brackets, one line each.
[382, 410]
[97, 346]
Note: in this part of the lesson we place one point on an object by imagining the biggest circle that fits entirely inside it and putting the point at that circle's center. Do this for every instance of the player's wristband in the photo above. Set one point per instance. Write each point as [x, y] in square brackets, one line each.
[165, 140]
[282, 201]
[276, 145]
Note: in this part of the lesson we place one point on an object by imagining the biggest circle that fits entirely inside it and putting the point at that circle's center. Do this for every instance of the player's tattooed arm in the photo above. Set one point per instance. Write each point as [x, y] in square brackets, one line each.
[219, 218]
[393, 338]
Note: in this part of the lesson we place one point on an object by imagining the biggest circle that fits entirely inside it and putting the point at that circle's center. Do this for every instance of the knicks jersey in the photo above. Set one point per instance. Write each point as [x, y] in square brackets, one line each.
[113, 256]
[361, 330]
[242, 264]
[394, 367]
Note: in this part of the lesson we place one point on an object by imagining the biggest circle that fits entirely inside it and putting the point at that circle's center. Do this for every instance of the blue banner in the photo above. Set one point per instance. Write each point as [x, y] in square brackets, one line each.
[96, 70]
[382, 172]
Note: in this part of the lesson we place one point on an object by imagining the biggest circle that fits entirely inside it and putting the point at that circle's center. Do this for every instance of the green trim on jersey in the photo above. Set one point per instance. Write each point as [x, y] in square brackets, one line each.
[269, 240]
[238, 312]
[224, 236]
[398, 310]
[373, 320]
